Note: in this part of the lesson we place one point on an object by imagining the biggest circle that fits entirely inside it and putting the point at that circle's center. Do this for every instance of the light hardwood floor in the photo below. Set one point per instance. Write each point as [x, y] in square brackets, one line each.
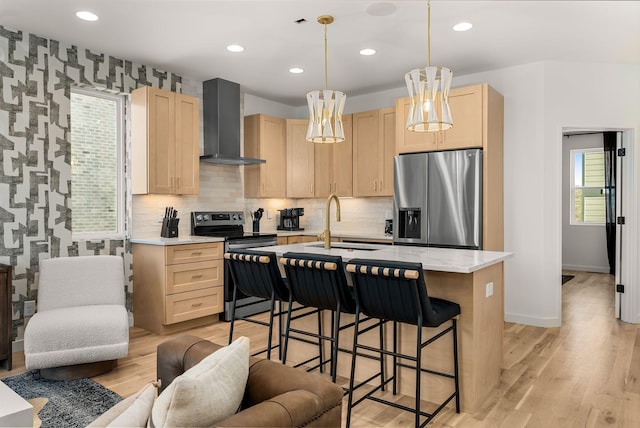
[583, 374]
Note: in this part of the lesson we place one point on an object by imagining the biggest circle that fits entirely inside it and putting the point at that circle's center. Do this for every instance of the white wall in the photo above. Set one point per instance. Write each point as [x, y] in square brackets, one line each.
[541, 99]
[584, 247]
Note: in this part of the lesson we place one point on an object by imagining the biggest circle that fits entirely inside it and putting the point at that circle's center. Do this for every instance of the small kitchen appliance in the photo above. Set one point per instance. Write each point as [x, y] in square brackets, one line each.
[290, 219]
[230, 226]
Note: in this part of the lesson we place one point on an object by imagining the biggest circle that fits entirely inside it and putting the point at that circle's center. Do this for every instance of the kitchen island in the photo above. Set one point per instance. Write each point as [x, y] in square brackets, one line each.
[473, 279]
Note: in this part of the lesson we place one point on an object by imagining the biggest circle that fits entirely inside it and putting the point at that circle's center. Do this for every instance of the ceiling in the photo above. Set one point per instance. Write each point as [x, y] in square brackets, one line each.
[189, 37]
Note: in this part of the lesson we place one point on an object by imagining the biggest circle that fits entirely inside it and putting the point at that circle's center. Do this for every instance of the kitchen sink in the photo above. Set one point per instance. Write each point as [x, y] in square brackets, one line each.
[348, 247]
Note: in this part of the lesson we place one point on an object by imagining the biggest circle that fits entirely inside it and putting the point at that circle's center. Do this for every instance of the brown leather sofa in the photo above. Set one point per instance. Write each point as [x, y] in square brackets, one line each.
[275, 396]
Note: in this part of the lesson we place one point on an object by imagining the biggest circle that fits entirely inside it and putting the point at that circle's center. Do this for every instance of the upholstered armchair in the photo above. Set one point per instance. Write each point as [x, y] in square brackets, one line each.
[81, 326]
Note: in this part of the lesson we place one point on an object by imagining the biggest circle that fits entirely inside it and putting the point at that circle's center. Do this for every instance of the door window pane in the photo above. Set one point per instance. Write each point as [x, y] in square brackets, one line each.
[587, 186]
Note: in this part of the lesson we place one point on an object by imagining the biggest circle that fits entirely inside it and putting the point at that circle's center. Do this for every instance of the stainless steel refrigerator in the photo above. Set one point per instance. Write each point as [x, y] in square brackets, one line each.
[437, 199]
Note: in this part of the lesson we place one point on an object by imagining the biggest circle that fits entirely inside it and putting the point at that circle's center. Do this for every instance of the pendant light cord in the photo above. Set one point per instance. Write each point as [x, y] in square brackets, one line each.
[428, 33]
[326, 85]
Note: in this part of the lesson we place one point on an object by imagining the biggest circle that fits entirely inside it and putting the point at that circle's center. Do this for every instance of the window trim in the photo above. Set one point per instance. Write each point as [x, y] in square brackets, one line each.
[572, 187]
[120, 101]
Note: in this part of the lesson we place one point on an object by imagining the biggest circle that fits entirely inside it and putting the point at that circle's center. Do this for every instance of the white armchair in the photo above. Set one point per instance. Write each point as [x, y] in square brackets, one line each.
[81, 326]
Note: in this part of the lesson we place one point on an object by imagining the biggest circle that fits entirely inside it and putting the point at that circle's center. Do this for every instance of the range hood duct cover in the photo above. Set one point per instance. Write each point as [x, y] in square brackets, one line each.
[221, 122]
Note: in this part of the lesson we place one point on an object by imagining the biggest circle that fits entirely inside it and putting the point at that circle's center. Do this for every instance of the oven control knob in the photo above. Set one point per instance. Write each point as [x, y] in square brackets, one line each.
[199, 217]
[240, 217]
[234, 216]
[206, 217]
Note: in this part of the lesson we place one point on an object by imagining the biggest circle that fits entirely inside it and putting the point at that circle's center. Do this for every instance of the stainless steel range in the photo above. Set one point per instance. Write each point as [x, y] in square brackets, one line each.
[230, 225]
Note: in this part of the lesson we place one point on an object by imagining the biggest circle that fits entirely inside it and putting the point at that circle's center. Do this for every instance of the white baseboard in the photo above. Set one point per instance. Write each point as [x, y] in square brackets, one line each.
[581, 268]
[533, 321]
[17, 345]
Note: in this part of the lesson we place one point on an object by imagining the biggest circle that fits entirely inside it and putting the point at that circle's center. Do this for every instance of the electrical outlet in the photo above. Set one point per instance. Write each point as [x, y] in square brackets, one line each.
[488, 292]
[29, 308]
[269, 214]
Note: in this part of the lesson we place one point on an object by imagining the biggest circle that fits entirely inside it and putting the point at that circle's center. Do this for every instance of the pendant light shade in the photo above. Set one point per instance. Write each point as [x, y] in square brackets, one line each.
[325, 106]
[429, 94]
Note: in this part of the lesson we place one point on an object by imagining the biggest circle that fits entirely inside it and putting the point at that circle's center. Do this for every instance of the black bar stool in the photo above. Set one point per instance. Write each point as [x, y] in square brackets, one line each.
[256, 274]
[318, 282]
[394, 291]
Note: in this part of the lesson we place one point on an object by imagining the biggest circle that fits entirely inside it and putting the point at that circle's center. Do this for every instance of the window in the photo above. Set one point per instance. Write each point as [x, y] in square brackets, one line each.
[587, 186]
[97, 148]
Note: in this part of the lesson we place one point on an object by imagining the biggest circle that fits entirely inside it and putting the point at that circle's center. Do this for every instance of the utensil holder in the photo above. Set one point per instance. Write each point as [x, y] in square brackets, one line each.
[256, 226]
[169, 228]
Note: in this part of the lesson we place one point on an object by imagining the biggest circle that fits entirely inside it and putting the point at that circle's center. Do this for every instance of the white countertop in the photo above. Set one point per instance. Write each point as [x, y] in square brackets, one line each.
[156, 240]
[436, 259]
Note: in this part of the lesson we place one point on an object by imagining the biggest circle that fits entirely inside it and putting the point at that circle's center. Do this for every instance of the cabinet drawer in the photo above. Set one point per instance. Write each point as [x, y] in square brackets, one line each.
[187, 253]
[193, 304]
[194, 276]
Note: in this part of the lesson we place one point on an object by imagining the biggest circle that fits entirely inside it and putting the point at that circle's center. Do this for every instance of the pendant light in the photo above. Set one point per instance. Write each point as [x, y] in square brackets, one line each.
[429, 92]
[325, 106]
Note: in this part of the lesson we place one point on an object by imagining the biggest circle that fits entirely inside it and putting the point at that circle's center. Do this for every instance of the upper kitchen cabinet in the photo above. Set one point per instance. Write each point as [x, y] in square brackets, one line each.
[471, 109]
[374, 135]
[264, 138]
[300, 160]
[333, 172]
[165, 134]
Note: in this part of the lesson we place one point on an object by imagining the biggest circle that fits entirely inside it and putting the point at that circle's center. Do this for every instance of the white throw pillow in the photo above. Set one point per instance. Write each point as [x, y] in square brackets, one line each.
[133, 411]
[208, 392]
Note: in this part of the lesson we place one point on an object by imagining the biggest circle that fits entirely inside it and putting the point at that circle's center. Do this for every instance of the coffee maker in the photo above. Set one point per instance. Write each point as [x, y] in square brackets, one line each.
[290, 219]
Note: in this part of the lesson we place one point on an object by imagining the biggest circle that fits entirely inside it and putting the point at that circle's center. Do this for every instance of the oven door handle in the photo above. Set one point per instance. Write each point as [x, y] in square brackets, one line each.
[248, 244]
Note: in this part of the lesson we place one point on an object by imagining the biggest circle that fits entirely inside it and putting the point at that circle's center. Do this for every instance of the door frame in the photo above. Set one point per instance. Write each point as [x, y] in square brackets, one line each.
[626, 270]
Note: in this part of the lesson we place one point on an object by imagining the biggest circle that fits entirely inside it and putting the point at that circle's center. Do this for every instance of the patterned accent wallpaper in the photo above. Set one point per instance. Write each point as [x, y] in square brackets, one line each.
[36, 75]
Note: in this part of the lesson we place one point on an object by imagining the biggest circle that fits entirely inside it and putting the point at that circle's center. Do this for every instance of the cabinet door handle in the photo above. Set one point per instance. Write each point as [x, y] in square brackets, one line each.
[196, 276]
[178, 183]
[195, 305]
[312, 190]
[375, 184]
[196, 253]
[381, 185]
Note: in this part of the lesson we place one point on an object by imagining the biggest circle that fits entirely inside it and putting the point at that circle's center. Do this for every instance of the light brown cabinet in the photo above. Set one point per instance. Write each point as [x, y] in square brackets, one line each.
[317, 170]
[300, 160]
[333, 172]
[264, 138]
[177, 286]
[467, 106]
[373, 151]
[165, 156]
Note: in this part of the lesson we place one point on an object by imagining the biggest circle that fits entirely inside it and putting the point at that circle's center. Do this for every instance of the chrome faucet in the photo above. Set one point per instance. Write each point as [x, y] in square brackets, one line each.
[326, 235]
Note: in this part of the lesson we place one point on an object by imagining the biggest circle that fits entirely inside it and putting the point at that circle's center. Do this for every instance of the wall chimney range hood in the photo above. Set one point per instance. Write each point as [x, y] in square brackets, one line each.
[221, 122]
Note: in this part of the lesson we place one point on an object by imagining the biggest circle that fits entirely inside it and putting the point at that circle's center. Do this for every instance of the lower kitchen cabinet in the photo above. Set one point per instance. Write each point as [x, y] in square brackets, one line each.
[176, 287]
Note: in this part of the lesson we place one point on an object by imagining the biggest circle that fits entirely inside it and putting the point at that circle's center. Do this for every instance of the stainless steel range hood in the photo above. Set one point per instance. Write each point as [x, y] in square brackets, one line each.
[221, 121]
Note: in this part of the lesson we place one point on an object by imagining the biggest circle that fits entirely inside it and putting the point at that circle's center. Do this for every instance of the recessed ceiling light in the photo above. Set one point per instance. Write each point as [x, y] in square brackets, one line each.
[235, 48]
[462, 26]
[367, 52]
[296, 70]
[86, 15]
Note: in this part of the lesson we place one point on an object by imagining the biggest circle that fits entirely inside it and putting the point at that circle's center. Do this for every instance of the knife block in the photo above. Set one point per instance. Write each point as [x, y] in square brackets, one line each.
[169, 228]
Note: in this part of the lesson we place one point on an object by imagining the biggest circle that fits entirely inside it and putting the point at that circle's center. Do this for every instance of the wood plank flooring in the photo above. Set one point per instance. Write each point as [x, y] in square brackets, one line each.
[583, 374]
